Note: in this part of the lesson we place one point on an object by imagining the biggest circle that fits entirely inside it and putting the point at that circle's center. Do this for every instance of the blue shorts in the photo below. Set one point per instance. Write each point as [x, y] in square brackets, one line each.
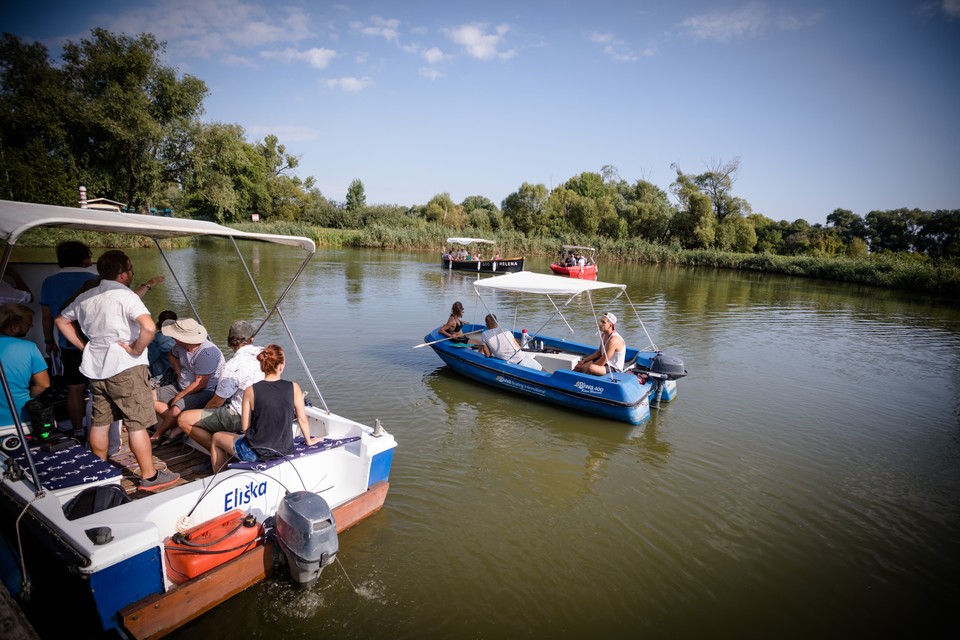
[244, 452]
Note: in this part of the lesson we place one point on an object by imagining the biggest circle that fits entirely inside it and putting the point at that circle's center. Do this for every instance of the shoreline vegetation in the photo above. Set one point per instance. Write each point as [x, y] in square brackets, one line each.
[911, 272]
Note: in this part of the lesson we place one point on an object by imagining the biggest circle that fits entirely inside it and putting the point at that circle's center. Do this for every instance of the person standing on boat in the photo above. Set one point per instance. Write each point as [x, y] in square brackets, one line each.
[222, 411]
[116, 330]
[453, 329]
[198, 363]
[23, 364]
[612, 352]
[73, 258]
[269, 408]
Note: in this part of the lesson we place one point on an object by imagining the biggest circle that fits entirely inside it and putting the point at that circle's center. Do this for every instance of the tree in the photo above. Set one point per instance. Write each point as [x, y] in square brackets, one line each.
[524, 207]
[356, 199]
[717, 184]
[127, 103]
[695, 226]
[847, 224]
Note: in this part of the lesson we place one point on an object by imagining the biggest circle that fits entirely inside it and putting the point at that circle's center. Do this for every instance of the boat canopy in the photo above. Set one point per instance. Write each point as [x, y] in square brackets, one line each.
[568, 247]
[16, 218]
[468, 241]
[541, 283]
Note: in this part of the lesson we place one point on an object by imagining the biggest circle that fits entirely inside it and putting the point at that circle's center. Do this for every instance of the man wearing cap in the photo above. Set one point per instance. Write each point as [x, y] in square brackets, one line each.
[223, 410]
[612, 352]
[198, 363]
[116, 328]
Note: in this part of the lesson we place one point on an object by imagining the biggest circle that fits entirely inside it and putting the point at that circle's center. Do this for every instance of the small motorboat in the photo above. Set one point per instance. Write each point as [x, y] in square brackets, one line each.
[649, 376]
[570, 263]
[141, 564]
[464, 259]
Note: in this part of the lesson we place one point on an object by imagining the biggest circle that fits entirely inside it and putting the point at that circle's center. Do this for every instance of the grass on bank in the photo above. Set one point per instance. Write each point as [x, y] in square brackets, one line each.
[901, 271]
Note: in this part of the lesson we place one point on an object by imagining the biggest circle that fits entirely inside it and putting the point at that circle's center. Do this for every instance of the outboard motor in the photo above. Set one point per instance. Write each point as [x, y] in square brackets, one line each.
[664, 367]
[307, 534]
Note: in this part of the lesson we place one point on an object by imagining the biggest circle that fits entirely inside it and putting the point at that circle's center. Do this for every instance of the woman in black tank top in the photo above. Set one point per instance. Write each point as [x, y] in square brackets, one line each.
[454, 326]
[269, 408]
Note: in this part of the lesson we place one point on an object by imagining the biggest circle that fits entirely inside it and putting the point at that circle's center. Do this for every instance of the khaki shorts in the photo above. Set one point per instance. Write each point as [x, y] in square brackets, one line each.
[222, 418]
[125, 396]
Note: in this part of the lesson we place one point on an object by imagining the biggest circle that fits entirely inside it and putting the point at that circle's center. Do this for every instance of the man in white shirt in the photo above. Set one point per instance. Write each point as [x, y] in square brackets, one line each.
[117, 328]
[500, 343]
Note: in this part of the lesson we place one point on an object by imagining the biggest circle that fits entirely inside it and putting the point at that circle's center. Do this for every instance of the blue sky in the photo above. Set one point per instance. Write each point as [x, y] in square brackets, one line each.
[852, 104]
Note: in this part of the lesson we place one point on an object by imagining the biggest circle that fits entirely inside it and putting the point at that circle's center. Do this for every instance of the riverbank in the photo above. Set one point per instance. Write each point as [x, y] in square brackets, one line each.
[911, 272]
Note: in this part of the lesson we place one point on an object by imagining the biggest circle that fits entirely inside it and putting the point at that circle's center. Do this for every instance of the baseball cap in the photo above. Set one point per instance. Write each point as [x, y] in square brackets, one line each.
[609, 316]
[241, 329]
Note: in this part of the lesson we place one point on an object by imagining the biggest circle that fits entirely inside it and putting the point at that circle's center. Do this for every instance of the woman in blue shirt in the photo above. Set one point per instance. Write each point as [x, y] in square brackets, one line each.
[23, 364]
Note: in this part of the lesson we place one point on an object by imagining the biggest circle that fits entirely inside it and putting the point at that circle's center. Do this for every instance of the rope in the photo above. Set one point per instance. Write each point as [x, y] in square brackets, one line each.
[25, 582]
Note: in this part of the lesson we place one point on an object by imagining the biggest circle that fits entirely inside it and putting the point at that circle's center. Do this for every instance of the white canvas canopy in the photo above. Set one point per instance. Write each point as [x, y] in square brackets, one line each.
[16, 218]
[569, 247]
[469, 241]
[540, 283]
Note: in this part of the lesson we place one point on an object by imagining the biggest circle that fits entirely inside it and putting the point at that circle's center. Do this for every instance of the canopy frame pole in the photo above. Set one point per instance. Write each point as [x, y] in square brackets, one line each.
[283, 321]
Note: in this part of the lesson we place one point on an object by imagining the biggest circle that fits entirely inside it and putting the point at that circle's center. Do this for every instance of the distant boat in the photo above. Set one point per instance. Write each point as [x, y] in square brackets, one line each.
[588, 271]
[448, 260]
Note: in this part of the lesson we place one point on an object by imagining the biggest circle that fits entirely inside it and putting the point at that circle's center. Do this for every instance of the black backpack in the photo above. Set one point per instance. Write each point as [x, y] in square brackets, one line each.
[94, 500]
[43, 420]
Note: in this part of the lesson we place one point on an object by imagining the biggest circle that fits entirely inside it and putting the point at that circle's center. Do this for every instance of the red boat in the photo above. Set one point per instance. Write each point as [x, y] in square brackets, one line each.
[575, 264]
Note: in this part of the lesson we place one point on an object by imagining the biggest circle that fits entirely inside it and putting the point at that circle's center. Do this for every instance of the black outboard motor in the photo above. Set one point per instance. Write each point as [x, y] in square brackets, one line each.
[664, 367]
[307, 534]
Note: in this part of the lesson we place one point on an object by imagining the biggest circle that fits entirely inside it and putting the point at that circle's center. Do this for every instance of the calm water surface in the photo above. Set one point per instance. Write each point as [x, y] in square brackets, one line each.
[804, 482]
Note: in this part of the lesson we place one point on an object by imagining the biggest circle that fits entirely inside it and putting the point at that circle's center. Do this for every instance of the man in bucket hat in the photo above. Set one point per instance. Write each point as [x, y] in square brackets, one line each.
[198, 363]
[222, 412]
[612, 351]
[116, 328]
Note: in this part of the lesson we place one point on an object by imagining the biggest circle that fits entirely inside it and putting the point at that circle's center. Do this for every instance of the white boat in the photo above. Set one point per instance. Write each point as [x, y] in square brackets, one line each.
[649, 377]
[135, 568]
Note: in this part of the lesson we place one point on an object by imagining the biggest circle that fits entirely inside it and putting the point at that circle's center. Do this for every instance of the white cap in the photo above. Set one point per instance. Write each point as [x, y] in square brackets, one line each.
[609, 316]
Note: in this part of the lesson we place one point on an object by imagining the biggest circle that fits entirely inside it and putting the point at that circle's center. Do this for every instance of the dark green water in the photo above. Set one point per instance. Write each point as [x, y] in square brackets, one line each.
[804, 483]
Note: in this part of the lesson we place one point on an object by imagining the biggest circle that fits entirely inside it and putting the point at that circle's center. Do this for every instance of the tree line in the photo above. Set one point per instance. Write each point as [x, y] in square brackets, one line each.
[112, 117]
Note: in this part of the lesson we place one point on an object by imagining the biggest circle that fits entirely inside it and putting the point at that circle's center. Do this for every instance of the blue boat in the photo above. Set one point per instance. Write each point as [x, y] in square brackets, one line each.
[649, 377]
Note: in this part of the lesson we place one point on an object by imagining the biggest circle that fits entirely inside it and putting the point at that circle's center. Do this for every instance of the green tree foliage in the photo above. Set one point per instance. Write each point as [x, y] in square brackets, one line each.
[356, 198]
[35, 163]
[524, 207]
[482, 212]
[847, 224]
[695, 226]
[126, 105]
[442, 210]
[735, 233]
[645, 210]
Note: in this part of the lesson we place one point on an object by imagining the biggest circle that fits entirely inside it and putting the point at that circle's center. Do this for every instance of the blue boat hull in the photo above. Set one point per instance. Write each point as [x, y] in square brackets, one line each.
[620, 396]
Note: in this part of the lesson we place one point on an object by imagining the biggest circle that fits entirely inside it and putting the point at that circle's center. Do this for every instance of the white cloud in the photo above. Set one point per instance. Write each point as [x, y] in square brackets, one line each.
[617, 49]
[350, 84]
[749, 20]
[316, 58]
[427, 72]
[721, 26]
[479, 44]
[951, 8]
[433, 55]
[206, 28]
[380, 27]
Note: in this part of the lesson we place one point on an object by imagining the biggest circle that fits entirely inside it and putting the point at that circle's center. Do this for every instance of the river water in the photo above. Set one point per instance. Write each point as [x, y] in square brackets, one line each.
[804, 483]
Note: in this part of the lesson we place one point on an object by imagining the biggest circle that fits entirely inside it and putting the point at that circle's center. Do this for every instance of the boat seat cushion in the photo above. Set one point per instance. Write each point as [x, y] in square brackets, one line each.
[68, 467]
[299, 450]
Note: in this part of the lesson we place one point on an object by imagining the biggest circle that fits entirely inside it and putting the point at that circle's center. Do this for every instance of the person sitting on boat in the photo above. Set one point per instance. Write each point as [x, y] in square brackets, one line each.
[612, 352]
[581, 261]
[453, 329]
[500, 343]
[222, 411]
[157, 351]
[266, 422]
[23, 364]
[198, 363]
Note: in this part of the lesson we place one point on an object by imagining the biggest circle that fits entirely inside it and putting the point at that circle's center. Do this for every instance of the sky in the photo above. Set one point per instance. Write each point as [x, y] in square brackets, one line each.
[827, 104]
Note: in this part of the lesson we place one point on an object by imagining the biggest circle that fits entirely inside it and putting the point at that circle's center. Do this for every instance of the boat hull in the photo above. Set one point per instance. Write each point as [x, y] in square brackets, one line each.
[617, 396]
[115, 585]
[509, 265]
[588, 272]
